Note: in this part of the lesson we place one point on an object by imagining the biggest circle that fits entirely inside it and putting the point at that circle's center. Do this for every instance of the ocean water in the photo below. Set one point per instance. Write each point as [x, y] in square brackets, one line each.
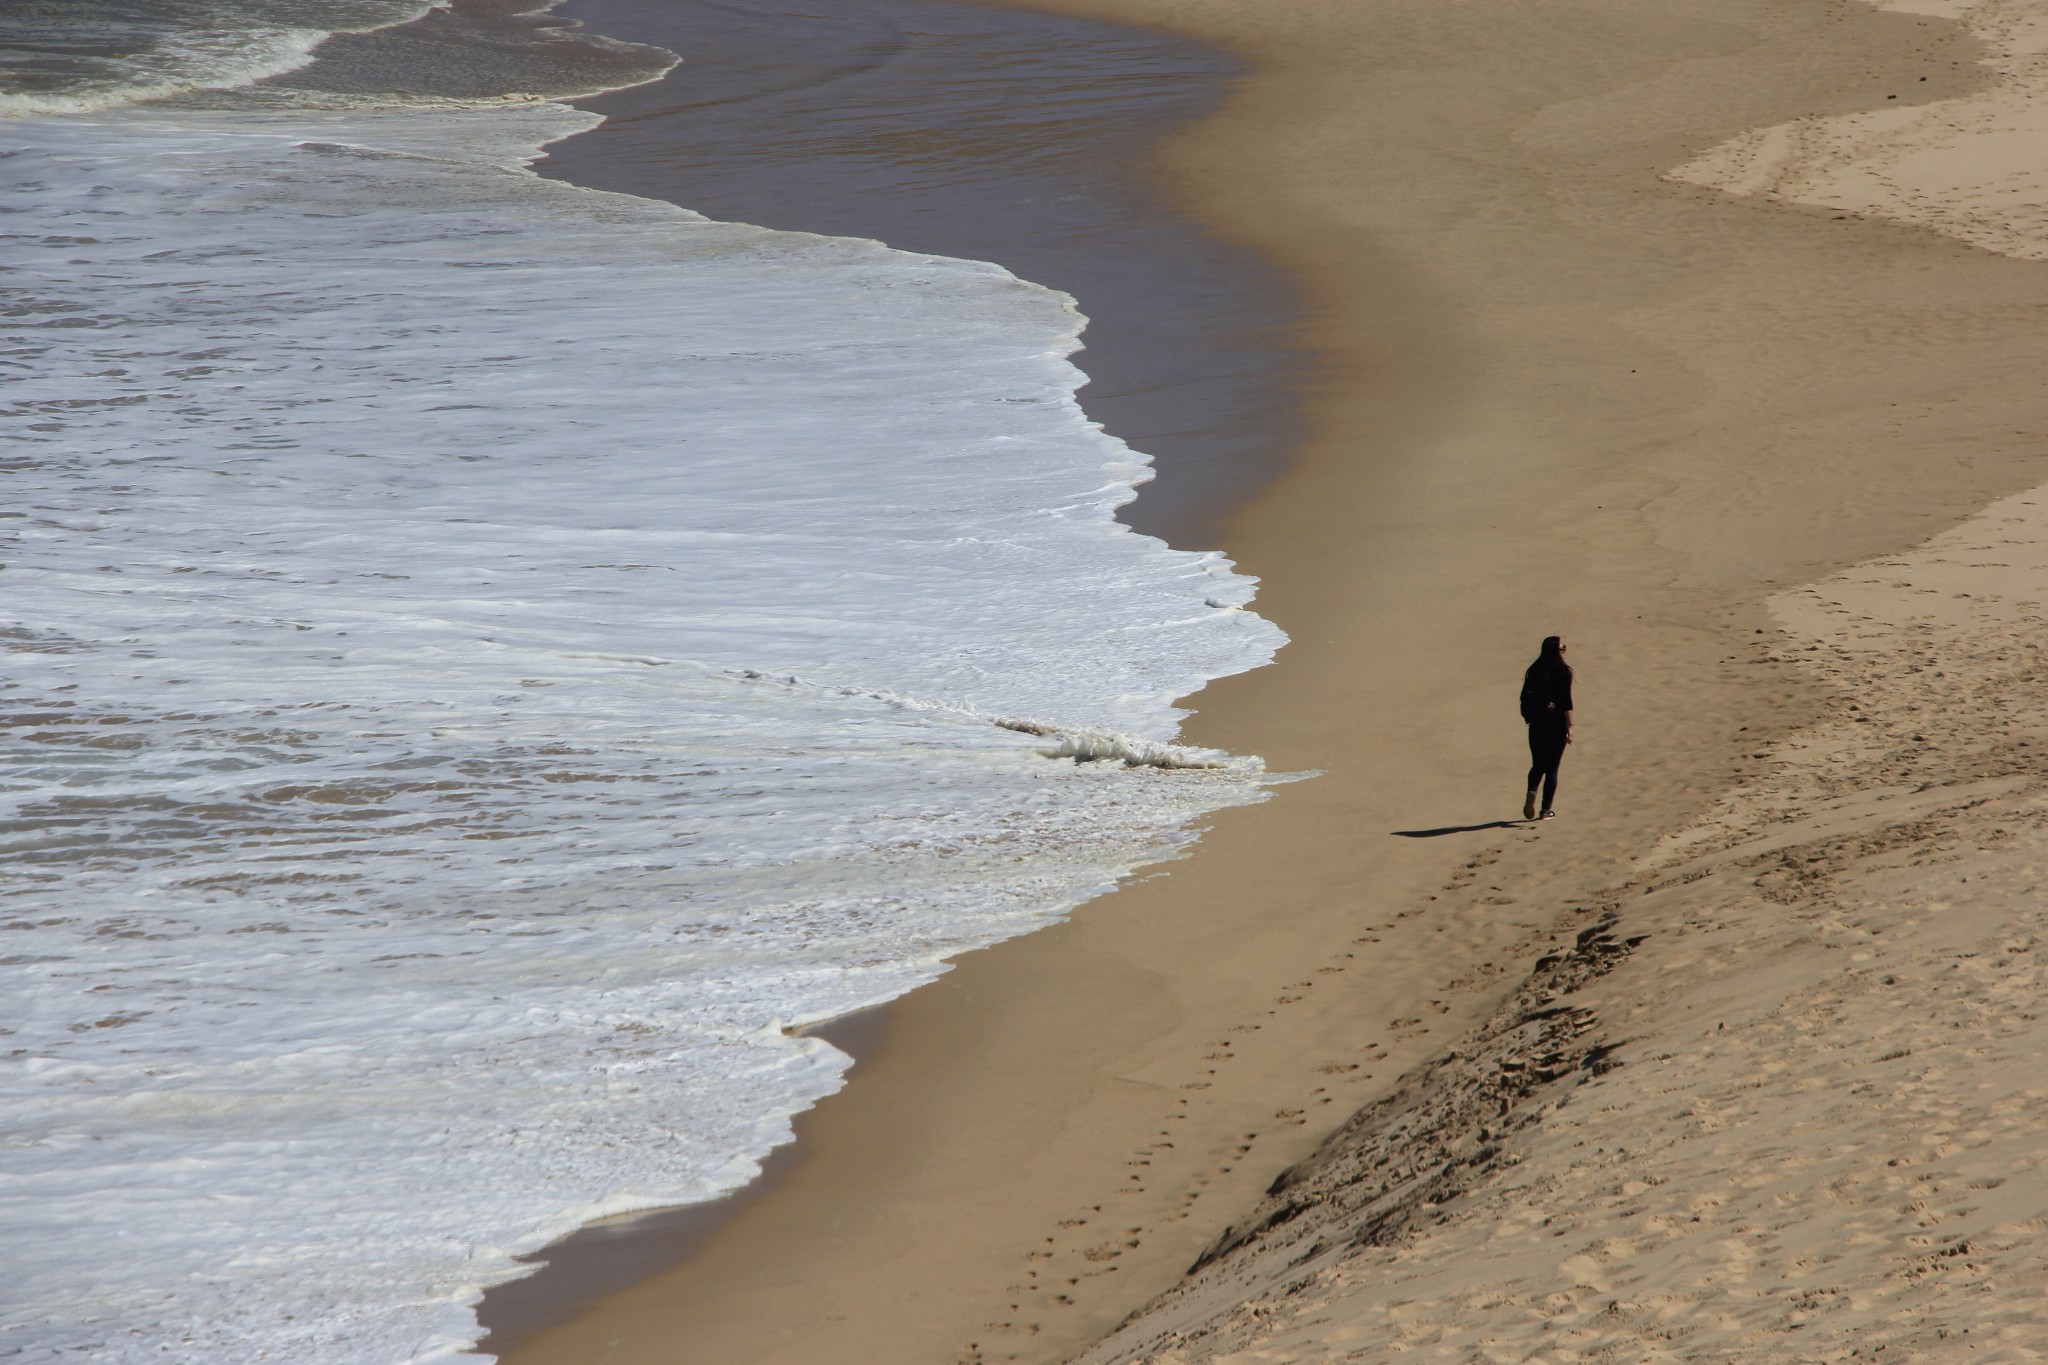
[58, 58]
[487, 659]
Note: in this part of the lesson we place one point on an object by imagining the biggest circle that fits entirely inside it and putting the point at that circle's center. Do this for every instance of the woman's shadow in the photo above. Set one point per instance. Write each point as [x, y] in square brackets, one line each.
[1458, 829]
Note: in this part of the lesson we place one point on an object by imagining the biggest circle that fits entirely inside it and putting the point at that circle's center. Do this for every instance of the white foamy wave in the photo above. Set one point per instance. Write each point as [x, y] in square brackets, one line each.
[415, 840]
[1079, 743]
[174, 65]
[1094, 746]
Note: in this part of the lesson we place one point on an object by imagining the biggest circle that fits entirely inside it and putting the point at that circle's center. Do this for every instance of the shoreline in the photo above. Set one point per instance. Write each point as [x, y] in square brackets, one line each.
[614, 1254]
[730, 143]
[1093, 1104]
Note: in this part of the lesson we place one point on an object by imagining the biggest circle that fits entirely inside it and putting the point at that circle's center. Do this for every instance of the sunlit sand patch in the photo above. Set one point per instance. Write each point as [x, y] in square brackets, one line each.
[1817, 1122]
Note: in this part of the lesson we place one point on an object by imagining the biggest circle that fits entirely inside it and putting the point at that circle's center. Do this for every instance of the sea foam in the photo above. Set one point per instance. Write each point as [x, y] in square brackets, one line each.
[78, 58]
[485, 660]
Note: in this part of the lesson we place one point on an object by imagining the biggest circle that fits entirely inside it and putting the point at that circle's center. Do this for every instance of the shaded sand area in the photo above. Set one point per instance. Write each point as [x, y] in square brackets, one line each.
[1562, 392]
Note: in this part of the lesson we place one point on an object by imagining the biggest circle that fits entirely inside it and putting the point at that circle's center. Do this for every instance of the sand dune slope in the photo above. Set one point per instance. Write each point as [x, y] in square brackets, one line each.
[1781, 1096]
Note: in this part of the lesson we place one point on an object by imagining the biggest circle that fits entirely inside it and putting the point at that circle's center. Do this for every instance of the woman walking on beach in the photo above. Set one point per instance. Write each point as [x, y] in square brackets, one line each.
[1547, 707]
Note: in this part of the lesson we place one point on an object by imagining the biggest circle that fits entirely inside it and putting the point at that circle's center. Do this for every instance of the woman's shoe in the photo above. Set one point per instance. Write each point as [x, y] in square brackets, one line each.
[1529, 807]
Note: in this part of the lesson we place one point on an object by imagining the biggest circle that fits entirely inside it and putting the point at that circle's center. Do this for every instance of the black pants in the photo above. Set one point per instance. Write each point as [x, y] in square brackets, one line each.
[1546, 750]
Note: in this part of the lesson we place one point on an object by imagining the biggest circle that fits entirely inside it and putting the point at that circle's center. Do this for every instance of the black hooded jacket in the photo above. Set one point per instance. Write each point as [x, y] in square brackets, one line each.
[1547, 693]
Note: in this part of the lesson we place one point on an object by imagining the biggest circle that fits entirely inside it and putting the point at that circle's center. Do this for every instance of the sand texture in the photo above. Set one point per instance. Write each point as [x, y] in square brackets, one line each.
[1558, 391]
[1975, 167]
[1781, 1099]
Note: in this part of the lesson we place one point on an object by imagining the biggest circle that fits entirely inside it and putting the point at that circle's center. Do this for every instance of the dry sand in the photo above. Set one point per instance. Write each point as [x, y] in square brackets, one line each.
[1781, 1098]
[1564, 393]
[1975, 168]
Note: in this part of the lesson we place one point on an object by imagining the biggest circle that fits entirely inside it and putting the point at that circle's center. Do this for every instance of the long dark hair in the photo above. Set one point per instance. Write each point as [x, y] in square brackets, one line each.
[1550, 659]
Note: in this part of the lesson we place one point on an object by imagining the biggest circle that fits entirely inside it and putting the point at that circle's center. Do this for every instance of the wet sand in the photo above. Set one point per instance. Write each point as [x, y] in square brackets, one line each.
[1558, 392]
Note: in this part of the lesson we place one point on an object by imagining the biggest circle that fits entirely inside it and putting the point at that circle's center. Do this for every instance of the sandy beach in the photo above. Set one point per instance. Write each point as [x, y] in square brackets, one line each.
[1563, 386]
[1779, 1099]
